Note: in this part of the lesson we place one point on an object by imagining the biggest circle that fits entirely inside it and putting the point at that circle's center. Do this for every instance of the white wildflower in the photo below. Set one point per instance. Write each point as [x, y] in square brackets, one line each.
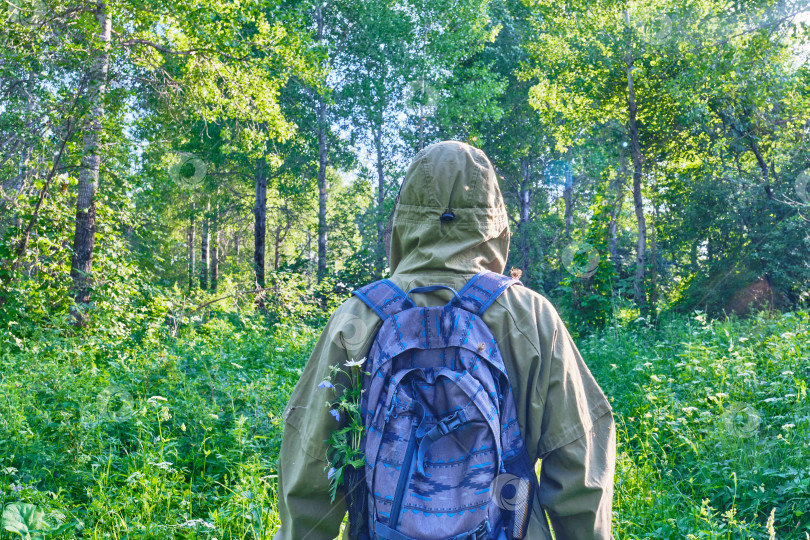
[154, 399]
[355, 363]
[165, 465]
[134, 478]
[788, 426]
[197, 523]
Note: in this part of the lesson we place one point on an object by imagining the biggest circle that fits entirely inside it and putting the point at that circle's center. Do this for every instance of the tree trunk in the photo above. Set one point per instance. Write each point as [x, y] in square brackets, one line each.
[277, 247]
[205, 255]
[259, 231]
[309, 260]
[22, 246]
[693, 255]
[85, 234]
[639, 291]
[322, 163]
[654, 268]
[190, 232]
[618, 203]
[215, 251]
[381, 218]
[762, 165]
[281, 234]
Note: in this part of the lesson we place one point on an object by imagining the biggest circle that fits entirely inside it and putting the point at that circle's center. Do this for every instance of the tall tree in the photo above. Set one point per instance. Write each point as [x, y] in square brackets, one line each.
[260, 228]
[85, 232]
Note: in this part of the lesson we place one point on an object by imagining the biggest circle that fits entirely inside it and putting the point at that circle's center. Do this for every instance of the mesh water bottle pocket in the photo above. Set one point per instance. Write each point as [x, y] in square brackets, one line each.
[514, 492]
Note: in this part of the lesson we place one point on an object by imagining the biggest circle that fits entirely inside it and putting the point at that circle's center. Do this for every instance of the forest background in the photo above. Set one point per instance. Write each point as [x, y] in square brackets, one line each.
[189, 188]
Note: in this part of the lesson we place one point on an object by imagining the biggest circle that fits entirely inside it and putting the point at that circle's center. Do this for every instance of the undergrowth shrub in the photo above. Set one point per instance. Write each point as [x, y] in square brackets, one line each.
[713, 423]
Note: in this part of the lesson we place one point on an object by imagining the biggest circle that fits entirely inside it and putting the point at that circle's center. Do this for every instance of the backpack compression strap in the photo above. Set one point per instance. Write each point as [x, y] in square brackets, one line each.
[384, 298]
[482, 290]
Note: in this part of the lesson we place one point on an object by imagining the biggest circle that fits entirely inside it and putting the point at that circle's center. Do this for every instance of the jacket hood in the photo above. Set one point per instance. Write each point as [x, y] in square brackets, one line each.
[448, 177]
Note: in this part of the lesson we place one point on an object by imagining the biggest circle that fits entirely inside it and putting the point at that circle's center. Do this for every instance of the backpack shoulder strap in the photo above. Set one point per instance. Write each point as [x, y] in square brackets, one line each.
[483, 289]
[384, 297]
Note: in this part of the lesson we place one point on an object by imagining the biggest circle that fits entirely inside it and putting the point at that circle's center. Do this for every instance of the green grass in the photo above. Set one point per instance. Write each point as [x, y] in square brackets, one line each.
[713, 425]
[172, 438]
[154, 437]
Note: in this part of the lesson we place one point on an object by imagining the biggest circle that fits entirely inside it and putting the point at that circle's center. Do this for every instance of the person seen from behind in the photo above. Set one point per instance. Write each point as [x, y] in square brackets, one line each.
[450, 224]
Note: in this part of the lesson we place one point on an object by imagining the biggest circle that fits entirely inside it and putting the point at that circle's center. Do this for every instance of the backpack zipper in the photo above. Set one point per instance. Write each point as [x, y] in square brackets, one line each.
[404, 478]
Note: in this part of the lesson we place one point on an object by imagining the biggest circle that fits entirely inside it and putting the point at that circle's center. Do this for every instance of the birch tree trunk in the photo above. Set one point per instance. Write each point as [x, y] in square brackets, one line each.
[84, 237]
[639, 291]
[616, 212]
[654, 268]
[205, 253]
[191, 251]
[215, 251]
[259, 232]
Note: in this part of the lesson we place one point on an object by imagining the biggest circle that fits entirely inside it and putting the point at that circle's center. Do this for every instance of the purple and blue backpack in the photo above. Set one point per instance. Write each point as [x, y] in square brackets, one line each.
[444, 458]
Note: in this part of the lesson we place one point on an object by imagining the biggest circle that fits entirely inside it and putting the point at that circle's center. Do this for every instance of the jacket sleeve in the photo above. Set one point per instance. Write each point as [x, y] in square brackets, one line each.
[304, 505]
[577, 446]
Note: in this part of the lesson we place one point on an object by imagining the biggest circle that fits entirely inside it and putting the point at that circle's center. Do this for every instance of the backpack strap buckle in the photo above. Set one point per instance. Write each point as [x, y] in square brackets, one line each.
[452, 422]
[446, 425]
[481, 532]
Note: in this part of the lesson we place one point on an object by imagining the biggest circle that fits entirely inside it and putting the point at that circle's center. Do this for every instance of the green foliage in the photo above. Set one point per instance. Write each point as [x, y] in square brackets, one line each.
[149, 436]
[176, 437]
[588, 293]
[713, 420]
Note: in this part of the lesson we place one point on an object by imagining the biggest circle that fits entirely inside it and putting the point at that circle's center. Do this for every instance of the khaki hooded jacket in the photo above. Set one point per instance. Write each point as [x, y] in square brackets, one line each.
[564, 417]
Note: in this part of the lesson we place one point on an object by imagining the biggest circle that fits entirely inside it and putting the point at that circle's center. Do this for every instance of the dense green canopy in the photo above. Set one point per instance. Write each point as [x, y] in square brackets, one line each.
[654, 153]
